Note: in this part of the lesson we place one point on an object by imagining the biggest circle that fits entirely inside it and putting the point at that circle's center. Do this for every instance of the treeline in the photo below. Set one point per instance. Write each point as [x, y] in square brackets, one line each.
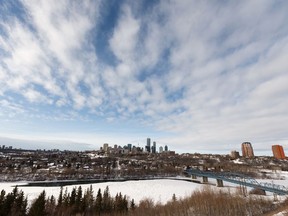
[208, 202]
[14, 203]
[77, 202]
[204, 202]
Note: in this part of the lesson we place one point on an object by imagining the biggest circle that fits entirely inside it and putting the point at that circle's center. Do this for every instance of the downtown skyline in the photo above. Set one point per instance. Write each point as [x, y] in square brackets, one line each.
[198, 76]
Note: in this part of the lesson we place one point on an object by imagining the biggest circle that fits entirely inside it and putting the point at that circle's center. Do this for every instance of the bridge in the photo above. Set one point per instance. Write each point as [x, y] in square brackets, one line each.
[236, 178]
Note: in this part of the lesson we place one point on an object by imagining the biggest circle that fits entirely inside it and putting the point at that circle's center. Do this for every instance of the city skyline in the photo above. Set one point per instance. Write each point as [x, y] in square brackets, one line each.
[196, 76]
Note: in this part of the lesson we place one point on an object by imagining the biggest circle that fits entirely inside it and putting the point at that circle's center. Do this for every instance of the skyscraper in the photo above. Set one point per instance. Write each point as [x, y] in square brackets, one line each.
[166, 148]
[148, 146]
[278, 151]
[129, 147]
[105, 147]
[154, 147]
[247, 150]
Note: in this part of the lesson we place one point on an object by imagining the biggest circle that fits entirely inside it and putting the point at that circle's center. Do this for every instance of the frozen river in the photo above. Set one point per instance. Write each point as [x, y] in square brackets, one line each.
[160, 190]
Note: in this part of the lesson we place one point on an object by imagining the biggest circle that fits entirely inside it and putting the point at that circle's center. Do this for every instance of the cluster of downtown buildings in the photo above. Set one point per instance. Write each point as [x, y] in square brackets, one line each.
[152, 149]
[247, 151]
[131, 149]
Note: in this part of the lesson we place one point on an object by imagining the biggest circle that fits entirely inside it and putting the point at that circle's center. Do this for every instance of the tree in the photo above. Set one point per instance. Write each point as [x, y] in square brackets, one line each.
[38, 206]
[19, 206]
[116, 202]
[13, 203]
[60, 206]
[124, 204]
[90, 196]
[132, 204]
[120, 203]
[88, 199]
[2, 196]
[107, 202]
[66, 198]
[98, 202]
[2, 199]
[60, 198]
[72, 199]
[8, 202]
[78, 199]
[174, 199]
[51, 207]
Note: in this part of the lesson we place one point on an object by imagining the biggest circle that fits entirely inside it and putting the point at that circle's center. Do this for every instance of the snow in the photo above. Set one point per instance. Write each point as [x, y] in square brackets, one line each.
[157, 190]
[283, 213]
[238, 161]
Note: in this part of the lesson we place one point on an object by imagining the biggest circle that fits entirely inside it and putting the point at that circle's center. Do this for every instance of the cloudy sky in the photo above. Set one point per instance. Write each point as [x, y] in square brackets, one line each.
[198, 76]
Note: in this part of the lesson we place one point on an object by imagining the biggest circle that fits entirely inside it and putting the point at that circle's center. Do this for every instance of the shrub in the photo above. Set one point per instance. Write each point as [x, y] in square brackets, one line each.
[257, 191]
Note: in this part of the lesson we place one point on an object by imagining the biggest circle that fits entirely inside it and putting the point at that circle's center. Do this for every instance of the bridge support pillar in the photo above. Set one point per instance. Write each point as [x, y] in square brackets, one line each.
[194, 177]
[219, 183]
[205, 179]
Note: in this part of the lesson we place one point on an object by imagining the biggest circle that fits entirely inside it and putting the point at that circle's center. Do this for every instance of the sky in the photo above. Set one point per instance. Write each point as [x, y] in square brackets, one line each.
[198, 76]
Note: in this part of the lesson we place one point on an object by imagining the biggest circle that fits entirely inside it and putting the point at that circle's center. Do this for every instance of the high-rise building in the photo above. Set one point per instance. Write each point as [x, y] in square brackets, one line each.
[105, 147]
[129, 147]
[160, 149]
[148, 146]
[278, 151]
[166, 148]
[247, 150]
[154, 147]
[234, 154]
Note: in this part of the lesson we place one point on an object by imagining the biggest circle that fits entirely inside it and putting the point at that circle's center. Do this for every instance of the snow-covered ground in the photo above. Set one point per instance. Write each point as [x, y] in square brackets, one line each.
[157, 190]
[281, 213]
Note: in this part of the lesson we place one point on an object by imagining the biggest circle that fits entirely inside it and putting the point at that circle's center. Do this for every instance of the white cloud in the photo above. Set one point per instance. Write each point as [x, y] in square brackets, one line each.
[207, 72]
[125, 36]
[33, 96]
[61, 102]
[47, 53]
[9, 110]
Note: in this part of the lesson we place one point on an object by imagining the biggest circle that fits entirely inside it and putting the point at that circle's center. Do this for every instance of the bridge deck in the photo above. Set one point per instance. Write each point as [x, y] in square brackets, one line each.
[239, 179]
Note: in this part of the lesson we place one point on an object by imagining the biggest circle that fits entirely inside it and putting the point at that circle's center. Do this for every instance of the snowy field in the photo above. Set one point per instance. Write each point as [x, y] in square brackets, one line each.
[157, 190]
